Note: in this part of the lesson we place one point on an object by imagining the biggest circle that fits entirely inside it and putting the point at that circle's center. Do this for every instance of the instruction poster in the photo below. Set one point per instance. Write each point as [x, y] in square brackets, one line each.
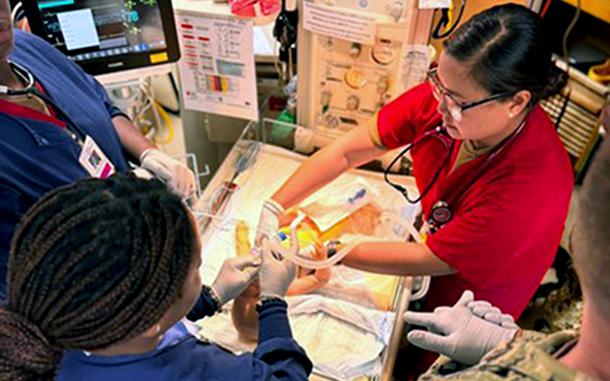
[339, 23]
[217, 65]
[434, 4]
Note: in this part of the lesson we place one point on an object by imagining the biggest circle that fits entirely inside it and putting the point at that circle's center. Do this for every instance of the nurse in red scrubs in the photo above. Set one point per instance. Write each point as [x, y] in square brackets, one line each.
[494, 178]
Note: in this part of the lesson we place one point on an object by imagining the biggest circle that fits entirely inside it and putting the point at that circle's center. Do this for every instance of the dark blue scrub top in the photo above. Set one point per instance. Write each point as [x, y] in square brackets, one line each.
[182, 356]
[36, 156]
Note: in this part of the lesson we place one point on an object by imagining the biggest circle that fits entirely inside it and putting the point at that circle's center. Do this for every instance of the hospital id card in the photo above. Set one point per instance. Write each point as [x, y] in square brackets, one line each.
[93, 159]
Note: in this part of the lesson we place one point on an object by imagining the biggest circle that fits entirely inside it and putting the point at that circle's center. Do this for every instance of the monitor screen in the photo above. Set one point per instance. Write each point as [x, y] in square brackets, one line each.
[105, 36]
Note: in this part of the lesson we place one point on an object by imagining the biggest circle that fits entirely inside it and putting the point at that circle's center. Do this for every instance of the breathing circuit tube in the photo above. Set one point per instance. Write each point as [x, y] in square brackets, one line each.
[303, 259]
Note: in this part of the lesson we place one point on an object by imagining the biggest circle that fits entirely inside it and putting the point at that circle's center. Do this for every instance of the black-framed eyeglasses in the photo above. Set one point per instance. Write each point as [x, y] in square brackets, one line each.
[455, 107]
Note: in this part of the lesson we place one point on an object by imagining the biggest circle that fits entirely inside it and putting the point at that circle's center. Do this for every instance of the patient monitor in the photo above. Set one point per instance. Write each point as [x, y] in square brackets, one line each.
[107, 36]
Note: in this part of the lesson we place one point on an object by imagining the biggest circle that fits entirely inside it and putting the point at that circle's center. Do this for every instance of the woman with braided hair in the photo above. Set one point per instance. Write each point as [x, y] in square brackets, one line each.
[101, 276]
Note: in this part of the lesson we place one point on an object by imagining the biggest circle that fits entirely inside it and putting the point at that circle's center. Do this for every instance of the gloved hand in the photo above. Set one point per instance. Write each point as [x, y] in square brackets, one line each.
[176, 174]
[465, 332]
[234, 277]
[276, 274]
[268, 221]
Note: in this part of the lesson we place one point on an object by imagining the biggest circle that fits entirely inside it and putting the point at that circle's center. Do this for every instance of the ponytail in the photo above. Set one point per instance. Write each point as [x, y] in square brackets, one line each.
[25, 353]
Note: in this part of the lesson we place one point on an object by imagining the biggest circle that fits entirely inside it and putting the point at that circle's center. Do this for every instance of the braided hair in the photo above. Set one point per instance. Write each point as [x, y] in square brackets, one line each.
[91, 264]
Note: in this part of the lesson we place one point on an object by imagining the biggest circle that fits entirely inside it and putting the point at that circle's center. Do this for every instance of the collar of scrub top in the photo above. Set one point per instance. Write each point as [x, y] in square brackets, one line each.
[456, 194]
[32, 89]
[441, 212]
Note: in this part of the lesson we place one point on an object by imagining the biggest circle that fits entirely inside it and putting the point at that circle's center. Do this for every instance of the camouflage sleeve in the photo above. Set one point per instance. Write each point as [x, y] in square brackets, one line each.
[444, 368]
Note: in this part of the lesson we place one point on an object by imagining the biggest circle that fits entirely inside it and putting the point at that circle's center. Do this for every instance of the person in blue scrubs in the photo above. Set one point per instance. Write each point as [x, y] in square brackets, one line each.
[37, 153]
[101, 276]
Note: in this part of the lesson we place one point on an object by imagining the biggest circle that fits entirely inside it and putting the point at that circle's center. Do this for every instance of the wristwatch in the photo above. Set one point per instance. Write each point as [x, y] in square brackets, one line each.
[214, 296]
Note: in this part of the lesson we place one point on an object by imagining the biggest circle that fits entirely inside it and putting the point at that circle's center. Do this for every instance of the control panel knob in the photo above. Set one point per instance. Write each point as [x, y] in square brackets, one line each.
[355, 79]
[355, 50]
[332, 121]
[353, 102]
[383, 85]
[384, 53]
[396, 10]
[325, 98]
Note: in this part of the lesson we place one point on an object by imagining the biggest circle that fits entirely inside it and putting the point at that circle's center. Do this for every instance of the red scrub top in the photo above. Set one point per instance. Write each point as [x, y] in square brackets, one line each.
[507, 225]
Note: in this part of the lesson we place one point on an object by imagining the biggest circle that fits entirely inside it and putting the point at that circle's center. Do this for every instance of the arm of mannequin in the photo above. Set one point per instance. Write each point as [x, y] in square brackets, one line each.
[351, 150]
[309, 283]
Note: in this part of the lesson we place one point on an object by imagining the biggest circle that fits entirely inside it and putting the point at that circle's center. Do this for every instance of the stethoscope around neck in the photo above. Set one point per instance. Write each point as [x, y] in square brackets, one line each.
[441, 212]
[30, 89]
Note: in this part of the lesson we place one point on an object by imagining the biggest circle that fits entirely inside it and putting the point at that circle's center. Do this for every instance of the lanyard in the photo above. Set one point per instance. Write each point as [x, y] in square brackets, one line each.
[92, 158]
[32, 89]
[458, 193]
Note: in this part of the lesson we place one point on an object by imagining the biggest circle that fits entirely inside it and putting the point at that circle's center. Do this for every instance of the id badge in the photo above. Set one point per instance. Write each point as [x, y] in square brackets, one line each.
[93, 159]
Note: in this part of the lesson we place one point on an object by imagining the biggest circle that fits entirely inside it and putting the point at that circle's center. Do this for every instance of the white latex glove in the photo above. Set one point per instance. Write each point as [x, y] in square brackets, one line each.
[276, 274]
[234, 276]
[174, 173]
[492, 314]
[459, 332]
[143, 173]
[268, 221]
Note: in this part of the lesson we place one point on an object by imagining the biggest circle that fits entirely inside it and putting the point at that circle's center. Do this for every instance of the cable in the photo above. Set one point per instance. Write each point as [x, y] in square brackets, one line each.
[563, 109]
[168, 122]
[566, 58]
[175, 93]
[564, 43]
[15, 11]
[276, 59]
[445, 20]
[545, 7]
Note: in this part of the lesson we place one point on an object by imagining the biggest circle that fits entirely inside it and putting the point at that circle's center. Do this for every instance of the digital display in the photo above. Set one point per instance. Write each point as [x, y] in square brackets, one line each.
[99, 29]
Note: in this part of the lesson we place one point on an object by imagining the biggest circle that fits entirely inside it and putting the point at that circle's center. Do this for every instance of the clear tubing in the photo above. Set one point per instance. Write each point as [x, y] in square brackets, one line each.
[292, 252]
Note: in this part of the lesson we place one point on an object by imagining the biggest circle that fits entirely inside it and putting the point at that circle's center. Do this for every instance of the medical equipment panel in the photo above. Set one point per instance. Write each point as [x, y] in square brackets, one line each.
[343, 84]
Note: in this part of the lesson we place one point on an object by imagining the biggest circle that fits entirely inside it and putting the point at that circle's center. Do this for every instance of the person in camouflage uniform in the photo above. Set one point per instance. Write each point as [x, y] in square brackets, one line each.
[531, 356]
[478, 342]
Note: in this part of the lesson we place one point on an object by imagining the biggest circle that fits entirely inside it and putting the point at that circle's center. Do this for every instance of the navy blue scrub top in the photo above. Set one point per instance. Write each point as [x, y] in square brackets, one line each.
[181, 355]
[36, 156]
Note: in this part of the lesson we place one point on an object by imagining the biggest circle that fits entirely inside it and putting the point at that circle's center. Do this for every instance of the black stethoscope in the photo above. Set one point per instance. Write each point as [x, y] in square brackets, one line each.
[441, 213]
[31, 89]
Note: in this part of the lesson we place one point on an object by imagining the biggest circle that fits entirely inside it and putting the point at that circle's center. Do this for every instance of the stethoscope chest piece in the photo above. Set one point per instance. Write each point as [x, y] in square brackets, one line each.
[440, 214]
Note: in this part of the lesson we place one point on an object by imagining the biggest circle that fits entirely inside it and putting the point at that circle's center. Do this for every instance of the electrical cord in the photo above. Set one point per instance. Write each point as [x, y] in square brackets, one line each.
[167, 121]
[566, 58]
[564, 43]
[545, 8]
[564, 107]
[176, 93]
[15, 13]
[445, 20]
